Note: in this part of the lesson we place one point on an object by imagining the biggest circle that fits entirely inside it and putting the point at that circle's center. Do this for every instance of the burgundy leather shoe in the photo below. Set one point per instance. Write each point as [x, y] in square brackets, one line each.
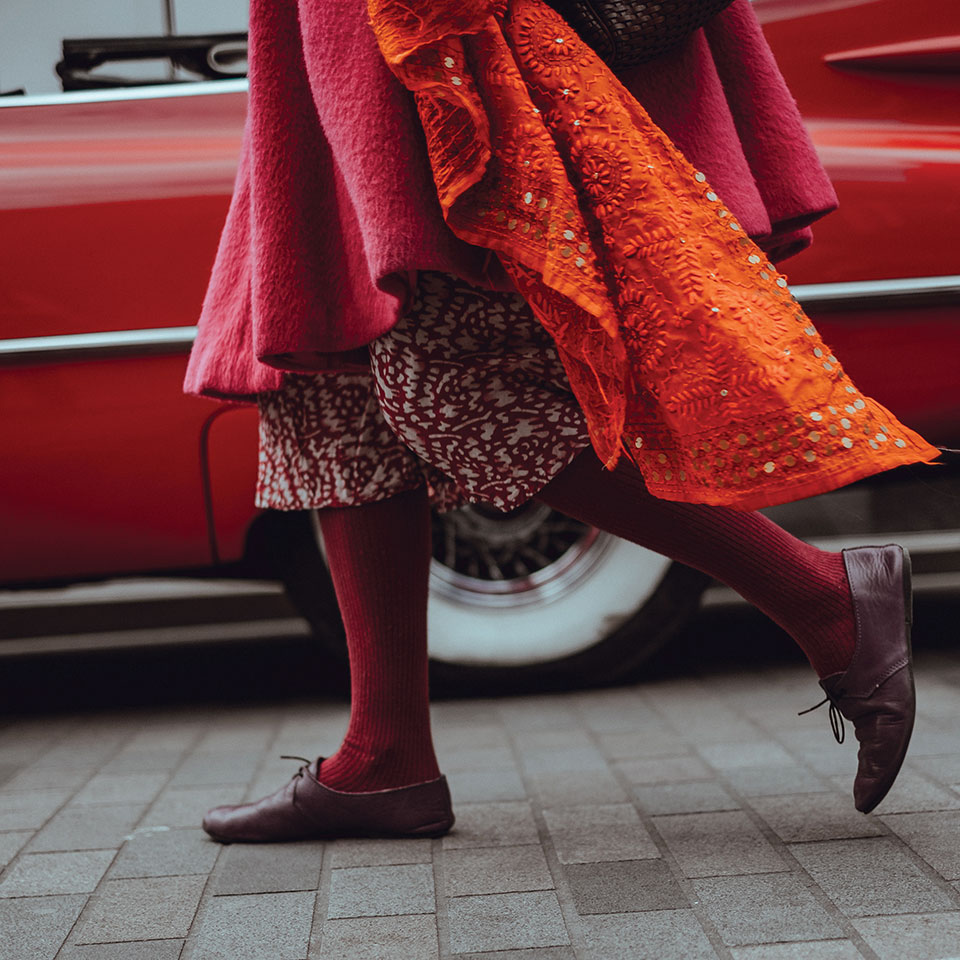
[876, 692]
[307, 810]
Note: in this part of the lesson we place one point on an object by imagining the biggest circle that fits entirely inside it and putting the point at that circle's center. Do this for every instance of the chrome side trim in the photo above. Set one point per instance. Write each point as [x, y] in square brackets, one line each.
[93, 346]
[876, 293]
[861, 294]
[147, 92]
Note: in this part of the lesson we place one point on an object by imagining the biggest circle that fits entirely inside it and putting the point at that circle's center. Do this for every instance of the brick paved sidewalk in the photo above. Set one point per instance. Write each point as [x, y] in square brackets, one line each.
[676, 820]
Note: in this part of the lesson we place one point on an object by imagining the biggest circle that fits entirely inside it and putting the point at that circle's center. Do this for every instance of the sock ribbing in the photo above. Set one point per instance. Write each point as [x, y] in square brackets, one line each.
[801, 588]
[379, 557]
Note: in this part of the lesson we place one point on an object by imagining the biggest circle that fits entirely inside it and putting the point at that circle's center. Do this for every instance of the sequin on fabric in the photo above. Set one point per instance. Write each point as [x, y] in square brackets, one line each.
[466, 394]
[682, 344]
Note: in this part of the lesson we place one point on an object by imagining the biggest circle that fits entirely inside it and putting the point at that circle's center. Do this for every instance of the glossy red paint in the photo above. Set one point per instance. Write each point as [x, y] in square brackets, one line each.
[110, 211]
[889, 137]
[931, 55]
[128, 265]
[803, 32]
[101, 469]
[906, 359]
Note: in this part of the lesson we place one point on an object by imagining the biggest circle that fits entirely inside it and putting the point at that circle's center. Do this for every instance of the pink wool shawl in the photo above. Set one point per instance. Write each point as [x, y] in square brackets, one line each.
[335, 206]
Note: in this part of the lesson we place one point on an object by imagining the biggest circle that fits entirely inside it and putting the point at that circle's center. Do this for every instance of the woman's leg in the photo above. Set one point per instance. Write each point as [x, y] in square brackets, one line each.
[379, 557]
[849, 612]
[383, 781]
[801, 588]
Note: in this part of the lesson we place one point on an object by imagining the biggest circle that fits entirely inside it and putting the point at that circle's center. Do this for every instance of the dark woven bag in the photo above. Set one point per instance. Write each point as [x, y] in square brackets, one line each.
[626, 32]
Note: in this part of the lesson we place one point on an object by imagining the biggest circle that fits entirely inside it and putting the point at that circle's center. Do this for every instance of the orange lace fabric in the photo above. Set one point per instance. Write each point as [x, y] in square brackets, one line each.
[682, 344]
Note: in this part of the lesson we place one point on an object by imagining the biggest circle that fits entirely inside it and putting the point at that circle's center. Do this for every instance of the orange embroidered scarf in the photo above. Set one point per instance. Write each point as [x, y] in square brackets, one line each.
[682, 344]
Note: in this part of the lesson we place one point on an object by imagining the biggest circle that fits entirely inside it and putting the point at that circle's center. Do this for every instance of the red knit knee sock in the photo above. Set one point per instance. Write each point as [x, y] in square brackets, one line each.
[379, 556]
[801, 588]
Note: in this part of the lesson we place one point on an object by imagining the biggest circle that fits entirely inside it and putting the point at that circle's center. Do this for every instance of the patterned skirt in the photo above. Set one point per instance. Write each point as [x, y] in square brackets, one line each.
[465, 394]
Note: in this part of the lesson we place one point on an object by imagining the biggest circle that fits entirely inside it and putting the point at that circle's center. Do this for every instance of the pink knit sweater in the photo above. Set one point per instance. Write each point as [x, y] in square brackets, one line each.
[334, 205]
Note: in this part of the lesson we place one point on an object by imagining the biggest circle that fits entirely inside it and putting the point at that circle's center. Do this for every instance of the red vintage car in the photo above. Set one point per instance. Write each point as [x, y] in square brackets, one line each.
[111, 204]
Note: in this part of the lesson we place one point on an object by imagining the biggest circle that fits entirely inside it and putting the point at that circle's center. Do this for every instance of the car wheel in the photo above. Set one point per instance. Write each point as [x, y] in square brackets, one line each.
[530, 599]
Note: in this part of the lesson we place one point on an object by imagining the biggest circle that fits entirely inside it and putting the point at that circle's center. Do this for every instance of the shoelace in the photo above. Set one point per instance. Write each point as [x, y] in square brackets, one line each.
[306, 763]
[836, 717]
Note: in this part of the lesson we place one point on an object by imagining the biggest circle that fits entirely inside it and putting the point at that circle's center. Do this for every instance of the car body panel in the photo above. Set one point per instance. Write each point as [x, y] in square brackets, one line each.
[112, 202]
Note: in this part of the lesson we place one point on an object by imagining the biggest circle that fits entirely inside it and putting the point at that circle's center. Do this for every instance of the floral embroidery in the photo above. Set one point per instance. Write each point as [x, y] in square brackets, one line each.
[670, 322]
[604, 170]
[466, 394]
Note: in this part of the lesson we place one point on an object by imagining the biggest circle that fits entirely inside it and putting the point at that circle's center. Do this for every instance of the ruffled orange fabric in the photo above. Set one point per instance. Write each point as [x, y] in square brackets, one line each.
[682, 344]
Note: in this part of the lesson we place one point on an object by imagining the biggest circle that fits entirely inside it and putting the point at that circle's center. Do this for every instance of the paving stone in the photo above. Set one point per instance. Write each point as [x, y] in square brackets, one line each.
[577, 787]
[810, 950]
[454, 736]
[143, 761]
[624, 887]
[570, 744]
[505, 921]
[186, 806]
[380, 938]
[749, 753]
[475, 758]
[599, 832]
[492, 825]
[764, 909]
[613, 711]
[665, 769]
[37, 777]
[34, 928]
[91, 749]
[11, 844]
[928, 739]
[269, 868]
[268, 926]
[774, 781]
[153, 852]
[141, 950]
[814, 816]
[714, 725]
[533, 953]
[698, 796]
[156, 908]
[202, 769]
[483, 786]
[40, 874]
[913, 793]
[562, 759]
[933, 936]
[8, 771]
[520, 714]
[641, 743]
[656, 935]
[121, 788]
[466, 713]
[29, 810]
[718, 844]
[379, 853]
[832, 760]
[935, 836]
[945, 769]
[870, 877]
[381, 891]
[495, 870]
[88, 827]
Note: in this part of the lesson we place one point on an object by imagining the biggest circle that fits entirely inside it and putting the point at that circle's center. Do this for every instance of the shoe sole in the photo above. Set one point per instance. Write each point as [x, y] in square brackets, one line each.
[907, 578]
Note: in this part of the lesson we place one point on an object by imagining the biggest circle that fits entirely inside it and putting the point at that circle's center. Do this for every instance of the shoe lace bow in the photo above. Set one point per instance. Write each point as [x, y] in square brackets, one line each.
[836, 717]
[306, 763]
